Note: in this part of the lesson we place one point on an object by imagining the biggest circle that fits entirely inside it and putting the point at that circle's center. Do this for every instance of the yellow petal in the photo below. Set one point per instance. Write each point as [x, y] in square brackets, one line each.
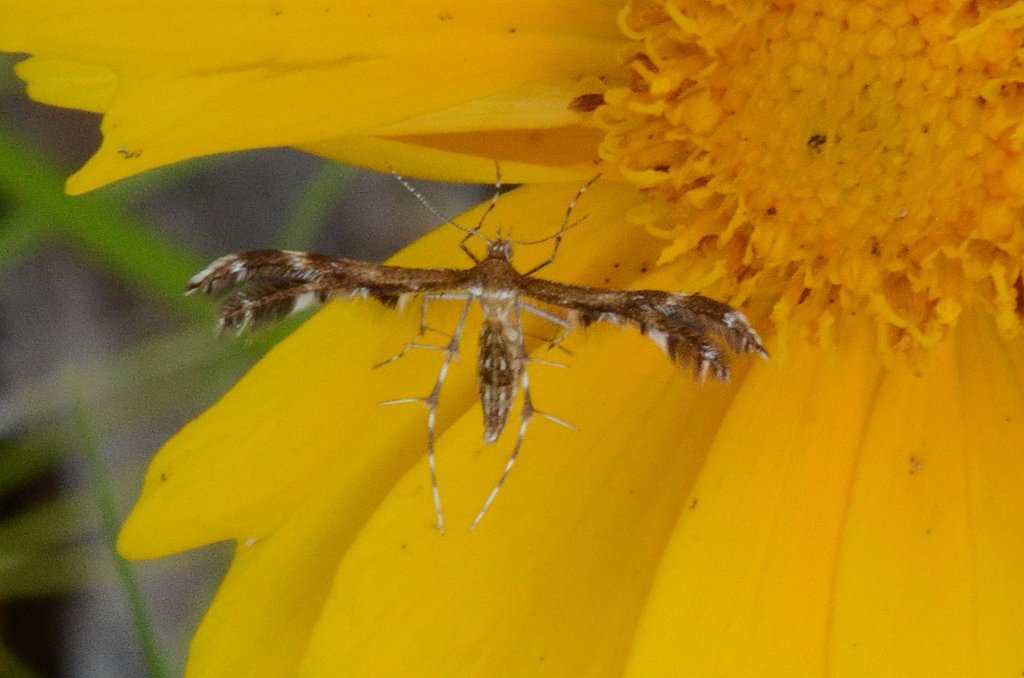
[260, 620]
[536, 156]
[239, 468]
[932, 555]
[853, 521]
[744, 585]
[68, 83]
[200, 78]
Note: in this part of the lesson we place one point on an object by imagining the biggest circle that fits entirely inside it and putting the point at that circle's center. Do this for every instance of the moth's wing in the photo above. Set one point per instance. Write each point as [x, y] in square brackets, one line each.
[259, 303]
[690, 328]
[262, 286]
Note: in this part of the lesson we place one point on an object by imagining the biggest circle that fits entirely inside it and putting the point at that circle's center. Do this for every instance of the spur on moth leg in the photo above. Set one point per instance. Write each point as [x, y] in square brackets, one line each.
[261, 286]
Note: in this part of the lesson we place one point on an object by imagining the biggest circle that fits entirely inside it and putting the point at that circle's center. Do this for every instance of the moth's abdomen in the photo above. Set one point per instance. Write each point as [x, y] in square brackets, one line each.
[501, 364]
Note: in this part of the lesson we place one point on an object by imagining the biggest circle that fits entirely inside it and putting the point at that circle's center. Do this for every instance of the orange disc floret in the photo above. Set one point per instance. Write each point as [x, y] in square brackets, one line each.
[816, 159]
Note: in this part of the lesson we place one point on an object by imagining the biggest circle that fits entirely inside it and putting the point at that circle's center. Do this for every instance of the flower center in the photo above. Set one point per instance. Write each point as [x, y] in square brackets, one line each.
[820, 159]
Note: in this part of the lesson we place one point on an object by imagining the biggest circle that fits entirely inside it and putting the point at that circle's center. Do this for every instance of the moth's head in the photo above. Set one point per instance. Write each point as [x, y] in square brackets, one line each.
[499, 248]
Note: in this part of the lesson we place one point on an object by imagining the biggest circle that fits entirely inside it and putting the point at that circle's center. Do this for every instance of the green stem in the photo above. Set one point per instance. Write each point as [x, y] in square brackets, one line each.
[104, 497]
[19, 234]
[321, 194]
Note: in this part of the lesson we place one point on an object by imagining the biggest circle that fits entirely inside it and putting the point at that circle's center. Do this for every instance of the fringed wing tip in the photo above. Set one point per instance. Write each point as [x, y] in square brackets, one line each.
[694, 331]
[220, 275]
[741, 336]
[703, 357]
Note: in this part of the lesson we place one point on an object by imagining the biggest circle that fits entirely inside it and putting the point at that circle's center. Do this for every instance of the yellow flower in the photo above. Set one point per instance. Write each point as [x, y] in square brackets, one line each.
[849, 172]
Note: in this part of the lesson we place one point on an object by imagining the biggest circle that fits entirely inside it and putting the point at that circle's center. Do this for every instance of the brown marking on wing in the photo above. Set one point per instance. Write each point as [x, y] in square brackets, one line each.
[232, 270]
[689, 327]
[264, 303]
[264, 286]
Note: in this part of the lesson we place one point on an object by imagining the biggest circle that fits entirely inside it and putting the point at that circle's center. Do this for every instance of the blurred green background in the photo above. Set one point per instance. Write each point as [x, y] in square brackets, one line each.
[102, 358]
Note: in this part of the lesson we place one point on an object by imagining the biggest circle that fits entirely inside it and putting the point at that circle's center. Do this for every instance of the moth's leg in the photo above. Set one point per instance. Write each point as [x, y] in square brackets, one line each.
[424, 328]
[566, 225]
[565, 327]
[544, 361]
[431, 403]
[415, 343]
[464, 248]
[553, 342]
[552, 318]
[524, 422]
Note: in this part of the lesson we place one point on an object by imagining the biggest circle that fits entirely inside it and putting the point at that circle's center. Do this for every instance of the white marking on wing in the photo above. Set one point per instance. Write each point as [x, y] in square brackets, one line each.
[613, 318]
[734, 319]
[659, 338]
[238, 267]
[304, 301]
[198, 281]
[403, 299]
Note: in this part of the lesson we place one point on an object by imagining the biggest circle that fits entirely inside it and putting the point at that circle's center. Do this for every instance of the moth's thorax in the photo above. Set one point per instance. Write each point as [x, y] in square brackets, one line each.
[495, 276]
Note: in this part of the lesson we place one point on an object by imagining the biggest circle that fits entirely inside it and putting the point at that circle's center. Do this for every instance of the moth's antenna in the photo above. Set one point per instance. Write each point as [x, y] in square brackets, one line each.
[566, 224]
[562, 231]
[494, 199]
[430, 208]
[477, 230]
